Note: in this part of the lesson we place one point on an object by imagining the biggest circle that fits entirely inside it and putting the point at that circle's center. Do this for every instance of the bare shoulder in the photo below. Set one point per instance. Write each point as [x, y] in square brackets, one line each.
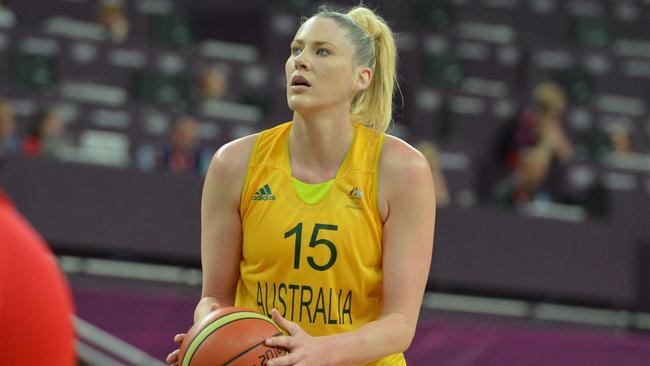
[233, 157]
[227, 169]
[235, 153]
[403, 172]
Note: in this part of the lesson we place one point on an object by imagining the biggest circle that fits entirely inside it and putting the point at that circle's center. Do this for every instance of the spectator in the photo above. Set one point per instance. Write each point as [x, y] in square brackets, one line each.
[46, 136]
[539, 124]
[620, 141]
[8, 139]
[614, 141]
[213, 84]
[431, 153]
[526, 183]
[112, 15]
[182, 154]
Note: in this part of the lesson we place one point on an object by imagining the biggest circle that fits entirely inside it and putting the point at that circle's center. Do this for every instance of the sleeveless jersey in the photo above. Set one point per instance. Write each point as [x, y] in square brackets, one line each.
[319, 264]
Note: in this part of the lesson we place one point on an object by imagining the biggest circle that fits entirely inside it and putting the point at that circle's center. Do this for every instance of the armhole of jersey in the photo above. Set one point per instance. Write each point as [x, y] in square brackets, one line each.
[380, 150]
[251, 161]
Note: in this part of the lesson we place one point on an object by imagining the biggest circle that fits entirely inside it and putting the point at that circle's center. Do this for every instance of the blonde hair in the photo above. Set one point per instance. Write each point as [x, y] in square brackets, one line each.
[375, 48]
[549, 98]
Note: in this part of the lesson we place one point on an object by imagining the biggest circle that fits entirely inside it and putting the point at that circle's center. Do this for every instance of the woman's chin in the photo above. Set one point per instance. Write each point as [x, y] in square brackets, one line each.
[298, 103]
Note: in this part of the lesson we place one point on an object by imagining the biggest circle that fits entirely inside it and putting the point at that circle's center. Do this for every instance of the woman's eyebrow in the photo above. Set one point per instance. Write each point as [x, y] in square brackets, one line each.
[301, 42]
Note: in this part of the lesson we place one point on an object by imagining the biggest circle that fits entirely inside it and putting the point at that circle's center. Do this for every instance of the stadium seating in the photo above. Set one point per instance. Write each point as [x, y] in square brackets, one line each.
[466, 67]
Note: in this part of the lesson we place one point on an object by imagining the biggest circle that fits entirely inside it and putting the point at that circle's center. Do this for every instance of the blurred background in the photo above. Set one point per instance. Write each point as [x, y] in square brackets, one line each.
[533, 114]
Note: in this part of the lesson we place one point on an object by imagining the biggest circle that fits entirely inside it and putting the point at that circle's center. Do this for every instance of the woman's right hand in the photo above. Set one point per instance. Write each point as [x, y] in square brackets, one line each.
[172, 358]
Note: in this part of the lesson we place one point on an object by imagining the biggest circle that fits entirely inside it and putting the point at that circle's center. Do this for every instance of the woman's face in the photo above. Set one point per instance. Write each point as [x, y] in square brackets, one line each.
[7, 123]
[53, 125]
[321, 71]
[214, 84]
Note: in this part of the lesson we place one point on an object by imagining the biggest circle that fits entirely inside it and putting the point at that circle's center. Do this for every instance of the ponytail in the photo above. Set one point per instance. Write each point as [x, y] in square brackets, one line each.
[375, 48]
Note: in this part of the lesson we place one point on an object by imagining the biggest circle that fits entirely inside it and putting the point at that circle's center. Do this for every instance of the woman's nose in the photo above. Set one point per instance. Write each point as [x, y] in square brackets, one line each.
[300, 61]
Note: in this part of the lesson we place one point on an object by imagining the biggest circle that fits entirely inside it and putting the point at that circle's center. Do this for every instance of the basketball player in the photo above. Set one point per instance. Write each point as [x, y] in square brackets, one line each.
[324, 223]
[35, 301]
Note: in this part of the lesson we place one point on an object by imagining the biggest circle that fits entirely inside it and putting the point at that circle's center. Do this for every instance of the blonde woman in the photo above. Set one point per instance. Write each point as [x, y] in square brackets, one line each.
[324, 223]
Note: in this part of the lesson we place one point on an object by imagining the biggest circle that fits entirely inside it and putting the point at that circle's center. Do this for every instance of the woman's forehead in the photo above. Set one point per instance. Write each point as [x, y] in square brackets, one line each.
[320, 29]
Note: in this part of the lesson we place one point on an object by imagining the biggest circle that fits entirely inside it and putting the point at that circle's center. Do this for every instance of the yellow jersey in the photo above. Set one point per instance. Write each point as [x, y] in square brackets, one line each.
[319, 264]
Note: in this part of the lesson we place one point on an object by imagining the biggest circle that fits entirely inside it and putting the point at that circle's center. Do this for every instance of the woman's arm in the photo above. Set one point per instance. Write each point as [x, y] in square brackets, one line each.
[220, 229]
[553, 136]
[221, 225]
[406, 190]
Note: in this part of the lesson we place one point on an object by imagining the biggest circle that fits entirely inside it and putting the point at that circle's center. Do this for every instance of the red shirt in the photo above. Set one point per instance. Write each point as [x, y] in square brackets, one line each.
[31, 146]
[35, 302]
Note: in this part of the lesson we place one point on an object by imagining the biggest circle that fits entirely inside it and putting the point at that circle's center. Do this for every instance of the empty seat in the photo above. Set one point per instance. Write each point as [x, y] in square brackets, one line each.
[33, 62]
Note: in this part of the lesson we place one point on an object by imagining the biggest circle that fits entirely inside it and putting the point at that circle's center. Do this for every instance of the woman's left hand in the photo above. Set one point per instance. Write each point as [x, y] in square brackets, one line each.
[304, 350]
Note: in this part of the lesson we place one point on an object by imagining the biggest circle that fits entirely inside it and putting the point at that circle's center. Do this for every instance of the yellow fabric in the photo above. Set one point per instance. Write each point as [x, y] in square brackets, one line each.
[318, 264]
[310, 193]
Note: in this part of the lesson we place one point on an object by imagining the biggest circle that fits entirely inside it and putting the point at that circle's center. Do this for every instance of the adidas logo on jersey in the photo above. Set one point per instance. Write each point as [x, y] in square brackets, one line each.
[264, 194]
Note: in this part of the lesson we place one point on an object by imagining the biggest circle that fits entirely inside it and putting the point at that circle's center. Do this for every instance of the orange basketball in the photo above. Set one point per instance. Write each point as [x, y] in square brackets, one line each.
[230, 336]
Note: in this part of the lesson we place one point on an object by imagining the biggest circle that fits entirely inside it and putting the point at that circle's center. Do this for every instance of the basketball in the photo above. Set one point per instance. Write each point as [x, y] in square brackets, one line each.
[231, 336]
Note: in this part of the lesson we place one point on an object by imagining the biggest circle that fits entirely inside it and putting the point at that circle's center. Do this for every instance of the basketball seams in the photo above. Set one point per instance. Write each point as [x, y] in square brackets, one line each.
[219, 323]
[203, 335]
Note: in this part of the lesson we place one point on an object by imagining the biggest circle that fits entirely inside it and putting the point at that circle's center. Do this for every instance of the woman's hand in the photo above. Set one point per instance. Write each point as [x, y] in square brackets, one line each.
[304, 350]
[172, 358]
[554, 137]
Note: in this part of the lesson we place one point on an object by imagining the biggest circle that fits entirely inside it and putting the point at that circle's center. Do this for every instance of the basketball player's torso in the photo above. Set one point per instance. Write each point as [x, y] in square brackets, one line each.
[318, 264]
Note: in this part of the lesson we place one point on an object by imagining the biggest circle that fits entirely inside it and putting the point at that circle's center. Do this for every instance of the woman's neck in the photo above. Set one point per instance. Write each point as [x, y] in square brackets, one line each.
[318, 144]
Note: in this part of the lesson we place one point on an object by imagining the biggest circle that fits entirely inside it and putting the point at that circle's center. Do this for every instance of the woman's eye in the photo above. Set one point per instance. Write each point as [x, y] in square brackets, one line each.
[295, 50]
[323, 52]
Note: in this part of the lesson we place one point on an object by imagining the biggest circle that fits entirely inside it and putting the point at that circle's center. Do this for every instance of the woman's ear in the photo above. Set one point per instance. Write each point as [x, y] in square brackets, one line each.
[364, 77]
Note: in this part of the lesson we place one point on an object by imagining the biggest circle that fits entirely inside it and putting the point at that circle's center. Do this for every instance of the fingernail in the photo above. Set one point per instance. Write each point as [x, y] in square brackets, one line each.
[270, 363]
[269, 342]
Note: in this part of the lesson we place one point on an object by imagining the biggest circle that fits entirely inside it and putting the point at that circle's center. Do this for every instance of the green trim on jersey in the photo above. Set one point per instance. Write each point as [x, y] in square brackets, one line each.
[312, 194]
